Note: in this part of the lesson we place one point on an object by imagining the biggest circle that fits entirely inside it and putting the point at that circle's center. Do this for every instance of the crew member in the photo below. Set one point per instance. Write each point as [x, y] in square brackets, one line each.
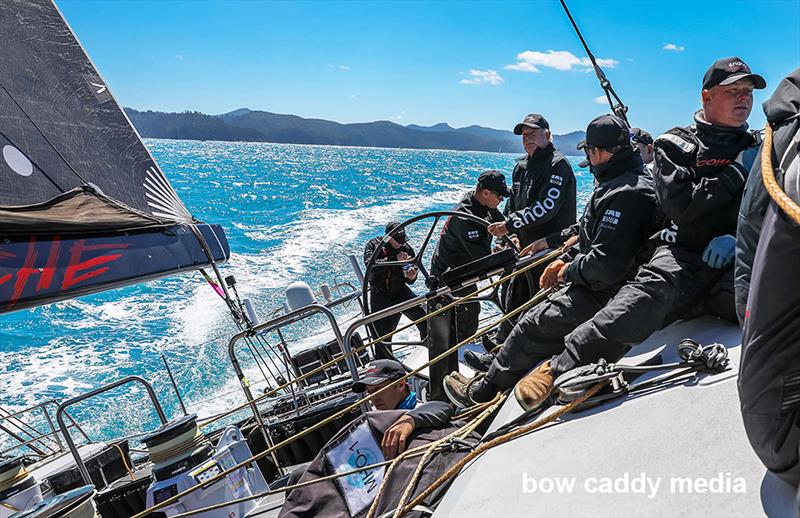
[389, 284]
[542, 202]
[616, 225]
[378, 375]
[643, 141]
[770, 363]
[382, 373]
[462, 241]
[699, 174]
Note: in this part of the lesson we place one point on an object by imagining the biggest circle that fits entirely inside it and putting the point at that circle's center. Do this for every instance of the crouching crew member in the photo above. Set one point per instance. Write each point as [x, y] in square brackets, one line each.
[770, 365]
[700, 172]
[616, 224]
[388, 285]
[461, 242]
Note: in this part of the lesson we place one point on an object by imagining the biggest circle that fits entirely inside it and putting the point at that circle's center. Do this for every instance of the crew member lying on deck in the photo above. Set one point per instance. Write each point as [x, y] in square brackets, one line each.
[401, 422]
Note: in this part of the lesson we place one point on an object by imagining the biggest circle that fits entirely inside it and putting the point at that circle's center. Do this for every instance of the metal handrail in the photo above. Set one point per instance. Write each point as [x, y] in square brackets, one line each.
[77, 399]
[11, 417]
[276, 323]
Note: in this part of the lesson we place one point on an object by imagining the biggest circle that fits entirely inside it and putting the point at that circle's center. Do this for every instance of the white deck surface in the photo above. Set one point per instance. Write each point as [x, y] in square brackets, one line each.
[687, 431]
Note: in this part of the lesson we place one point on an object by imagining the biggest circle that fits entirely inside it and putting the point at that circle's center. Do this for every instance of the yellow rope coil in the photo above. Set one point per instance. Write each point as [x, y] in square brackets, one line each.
[783, 201]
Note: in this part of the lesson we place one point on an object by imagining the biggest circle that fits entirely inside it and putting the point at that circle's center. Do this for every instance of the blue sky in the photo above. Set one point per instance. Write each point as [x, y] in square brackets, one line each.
[464, 63]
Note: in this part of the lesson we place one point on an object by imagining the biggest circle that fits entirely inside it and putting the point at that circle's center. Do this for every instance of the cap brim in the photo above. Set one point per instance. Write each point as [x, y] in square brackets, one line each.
[505, 193]
[518, 127]
[361, 385]
[581, 145]
[758, 82]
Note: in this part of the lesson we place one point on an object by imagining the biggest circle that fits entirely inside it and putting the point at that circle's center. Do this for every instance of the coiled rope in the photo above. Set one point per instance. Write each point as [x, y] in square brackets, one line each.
[787, 205]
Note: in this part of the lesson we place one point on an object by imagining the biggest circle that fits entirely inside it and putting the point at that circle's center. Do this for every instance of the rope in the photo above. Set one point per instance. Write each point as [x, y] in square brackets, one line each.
[429, 448]
[463, 433]
[534, 264]
[124, 461]
[456, 468]
[179, 449]
[783, 201]
[534, 300]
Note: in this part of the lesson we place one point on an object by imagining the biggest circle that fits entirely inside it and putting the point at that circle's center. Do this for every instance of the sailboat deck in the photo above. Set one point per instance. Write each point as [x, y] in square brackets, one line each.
[686, 437]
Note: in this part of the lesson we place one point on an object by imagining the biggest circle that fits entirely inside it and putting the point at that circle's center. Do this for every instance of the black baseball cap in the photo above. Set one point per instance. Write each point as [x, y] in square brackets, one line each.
[494, 181]
[532, 120]
[640, 136]
[379, 371]
[729, 70]
[400, 235]
[606, 132]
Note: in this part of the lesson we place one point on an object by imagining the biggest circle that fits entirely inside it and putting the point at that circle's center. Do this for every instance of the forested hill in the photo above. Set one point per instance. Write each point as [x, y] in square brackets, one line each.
[260, 126]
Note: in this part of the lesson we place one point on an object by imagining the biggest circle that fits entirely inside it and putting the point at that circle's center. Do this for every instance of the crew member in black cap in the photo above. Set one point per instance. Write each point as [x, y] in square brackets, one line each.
[388, 285]
[462, 241]
[699, 175]
[643, 141]
[382, 373]
[618, 220]
[542, 202]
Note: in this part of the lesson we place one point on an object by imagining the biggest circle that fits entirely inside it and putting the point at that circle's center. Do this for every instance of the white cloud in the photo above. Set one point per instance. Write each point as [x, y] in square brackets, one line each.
[344, 67]
[483, 76]
[563, 60]
[601, 100]
[673, 47]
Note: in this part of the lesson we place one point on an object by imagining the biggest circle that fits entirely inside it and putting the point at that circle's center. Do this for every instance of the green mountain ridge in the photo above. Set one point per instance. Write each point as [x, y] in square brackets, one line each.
[260, 126]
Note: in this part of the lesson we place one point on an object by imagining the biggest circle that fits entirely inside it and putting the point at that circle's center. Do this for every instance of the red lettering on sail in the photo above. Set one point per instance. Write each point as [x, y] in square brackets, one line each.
[75, 265]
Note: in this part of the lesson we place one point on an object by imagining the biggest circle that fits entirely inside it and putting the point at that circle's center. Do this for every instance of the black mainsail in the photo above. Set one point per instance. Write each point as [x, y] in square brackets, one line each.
[83, 205]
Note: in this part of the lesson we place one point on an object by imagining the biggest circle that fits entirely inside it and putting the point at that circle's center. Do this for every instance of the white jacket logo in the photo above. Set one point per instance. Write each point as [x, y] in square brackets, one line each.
[670, 235]
[538, 210]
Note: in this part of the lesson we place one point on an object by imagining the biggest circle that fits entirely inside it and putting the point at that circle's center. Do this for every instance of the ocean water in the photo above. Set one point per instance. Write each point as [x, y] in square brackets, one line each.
[290, 212]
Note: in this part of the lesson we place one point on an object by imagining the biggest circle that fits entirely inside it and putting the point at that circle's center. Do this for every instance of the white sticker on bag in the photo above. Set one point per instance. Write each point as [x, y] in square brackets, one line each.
[356, 450]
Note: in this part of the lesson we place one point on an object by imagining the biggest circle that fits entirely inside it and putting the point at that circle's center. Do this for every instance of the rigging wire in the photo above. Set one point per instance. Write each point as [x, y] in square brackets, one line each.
[616, 104]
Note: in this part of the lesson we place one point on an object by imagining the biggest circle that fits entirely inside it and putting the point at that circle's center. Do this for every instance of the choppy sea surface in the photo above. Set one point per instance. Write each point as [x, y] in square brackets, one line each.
[290, 212]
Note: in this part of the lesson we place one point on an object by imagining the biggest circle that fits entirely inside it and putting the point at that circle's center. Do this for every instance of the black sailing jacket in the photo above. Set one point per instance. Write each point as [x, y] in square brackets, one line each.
[699, 173]
[542, 196]
[618, 220]
[390, 280]
[461, 240]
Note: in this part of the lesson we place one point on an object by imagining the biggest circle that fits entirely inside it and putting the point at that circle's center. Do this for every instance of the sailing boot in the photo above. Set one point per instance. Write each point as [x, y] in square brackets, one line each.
[489, 344]
[464, 395]
[532, 390]
[477, 361]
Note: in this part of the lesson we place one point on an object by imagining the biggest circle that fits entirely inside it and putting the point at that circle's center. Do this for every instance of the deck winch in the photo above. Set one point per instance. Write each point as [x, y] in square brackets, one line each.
[18, 488]
[183, 457]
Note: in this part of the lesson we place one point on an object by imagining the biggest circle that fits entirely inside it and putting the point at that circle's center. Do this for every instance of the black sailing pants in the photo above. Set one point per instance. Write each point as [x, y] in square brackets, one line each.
[676, 283]
[379, 301]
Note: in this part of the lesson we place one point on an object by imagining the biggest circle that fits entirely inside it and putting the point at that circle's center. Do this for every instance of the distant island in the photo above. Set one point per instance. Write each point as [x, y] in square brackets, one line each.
[245, 125]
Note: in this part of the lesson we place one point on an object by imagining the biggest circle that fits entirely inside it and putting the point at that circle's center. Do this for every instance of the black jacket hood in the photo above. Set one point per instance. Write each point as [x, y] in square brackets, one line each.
[785, 102]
